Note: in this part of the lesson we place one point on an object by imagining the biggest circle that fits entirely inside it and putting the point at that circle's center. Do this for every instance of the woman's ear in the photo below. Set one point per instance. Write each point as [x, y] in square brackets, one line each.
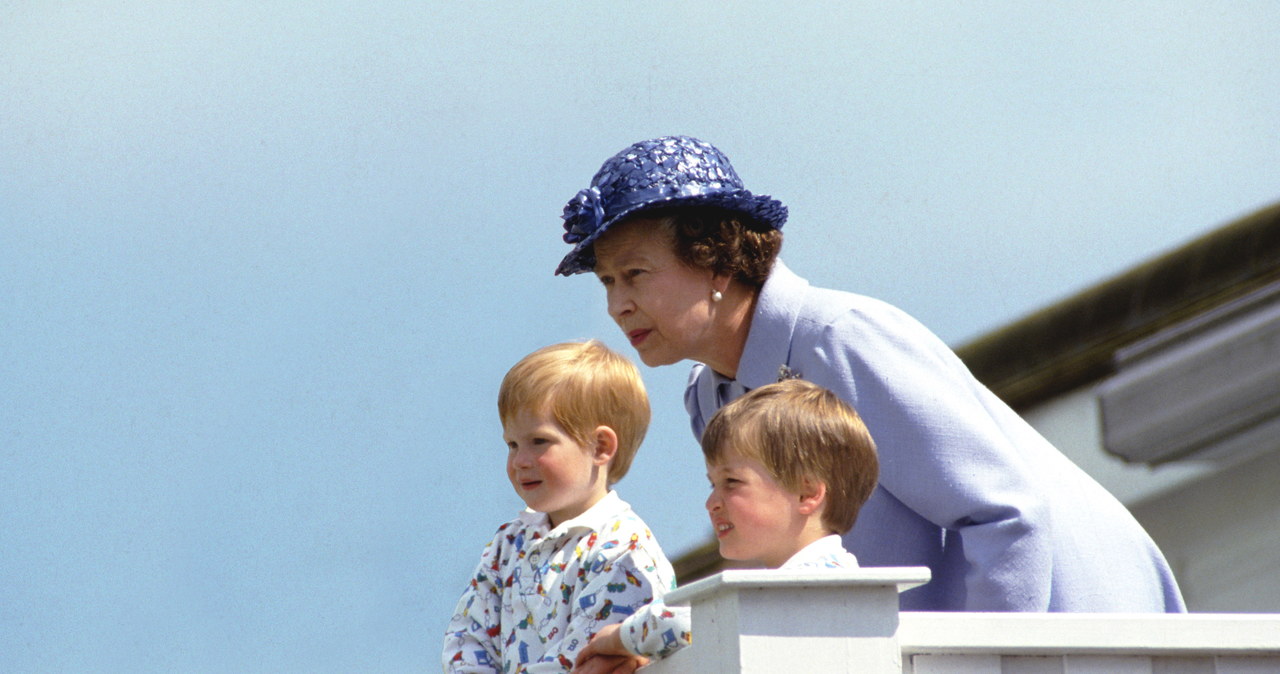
[720, 282]
[605, 445]
[813, 495]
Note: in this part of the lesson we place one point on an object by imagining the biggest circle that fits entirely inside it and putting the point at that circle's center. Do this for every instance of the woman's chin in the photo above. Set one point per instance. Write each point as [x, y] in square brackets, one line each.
[655, 358]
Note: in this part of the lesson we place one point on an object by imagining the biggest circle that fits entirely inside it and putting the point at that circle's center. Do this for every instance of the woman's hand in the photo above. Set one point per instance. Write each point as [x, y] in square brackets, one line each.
[605, 654]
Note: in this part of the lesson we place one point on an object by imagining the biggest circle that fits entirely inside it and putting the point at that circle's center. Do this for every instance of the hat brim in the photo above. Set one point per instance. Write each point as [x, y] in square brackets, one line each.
[759, 207]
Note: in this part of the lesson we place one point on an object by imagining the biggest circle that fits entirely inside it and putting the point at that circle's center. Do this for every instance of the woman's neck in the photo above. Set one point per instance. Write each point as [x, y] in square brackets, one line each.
[733, 325]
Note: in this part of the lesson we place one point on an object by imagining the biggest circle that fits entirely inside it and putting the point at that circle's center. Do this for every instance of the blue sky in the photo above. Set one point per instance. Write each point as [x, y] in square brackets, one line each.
[263, 266]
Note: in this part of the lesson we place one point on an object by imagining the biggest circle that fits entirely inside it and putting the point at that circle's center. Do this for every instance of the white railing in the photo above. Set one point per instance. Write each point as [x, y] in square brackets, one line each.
[771, 622]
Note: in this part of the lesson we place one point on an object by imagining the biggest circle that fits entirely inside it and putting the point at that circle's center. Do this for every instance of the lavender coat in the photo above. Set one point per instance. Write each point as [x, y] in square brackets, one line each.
[967, 488]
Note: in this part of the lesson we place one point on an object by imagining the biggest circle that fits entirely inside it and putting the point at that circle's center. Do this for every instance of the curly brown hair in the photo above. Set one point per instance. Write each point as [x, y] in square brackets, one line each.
[721, 240]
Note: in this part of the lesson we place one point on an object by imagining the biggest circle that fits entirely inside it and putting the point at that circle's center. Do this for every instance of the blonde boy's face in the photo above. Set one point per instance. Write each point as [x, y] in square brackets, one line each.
[754, 517]
[550, 470]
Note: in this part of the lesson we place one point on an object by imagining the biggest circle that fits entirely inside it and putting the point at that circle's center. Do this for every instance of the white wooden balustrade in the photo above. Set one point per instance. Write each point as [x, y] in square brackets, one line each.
[771, 622]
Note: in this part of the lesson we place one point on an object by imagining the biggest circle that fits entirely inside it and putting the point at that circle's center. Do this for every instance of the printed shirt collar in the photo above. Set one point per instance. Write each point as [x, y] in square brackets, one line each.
[594, 519]
[823, 547]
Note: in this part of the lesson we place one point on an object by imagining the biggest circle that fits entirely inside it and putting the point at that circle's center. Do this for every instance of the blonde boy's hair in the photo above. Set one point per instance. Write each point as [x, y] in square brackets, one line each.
[583, 385]
[800, 431]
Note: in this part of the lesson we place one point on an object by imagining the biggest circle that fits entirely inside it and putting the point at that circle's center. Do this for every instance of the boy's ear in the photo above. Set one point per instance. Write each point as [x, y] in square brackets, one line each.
[813, 495]
[605, 445]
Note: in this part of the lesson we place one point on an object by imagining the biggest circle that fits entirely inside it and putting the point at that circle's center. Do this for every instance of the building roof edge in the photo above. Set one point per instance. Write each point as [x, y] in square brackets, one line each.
[1072, 343]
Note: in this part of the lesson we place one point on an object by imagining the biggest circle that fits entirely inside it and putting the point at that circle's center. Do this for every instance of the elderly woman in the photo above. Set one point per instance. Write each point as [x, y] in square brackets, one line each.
[688, 260]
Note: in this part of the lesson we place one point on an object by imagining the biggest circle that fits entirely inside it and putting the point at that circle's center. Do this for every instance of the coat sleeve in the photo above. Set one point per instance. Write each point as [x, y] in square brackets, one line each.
[621, 575]
[950, 450]
[470, 642]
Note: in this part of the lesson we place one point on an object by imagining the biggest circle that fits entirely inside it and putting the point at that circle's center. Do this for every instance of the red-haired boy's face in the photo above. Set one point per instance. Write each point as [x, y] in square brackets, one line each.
[550, 471]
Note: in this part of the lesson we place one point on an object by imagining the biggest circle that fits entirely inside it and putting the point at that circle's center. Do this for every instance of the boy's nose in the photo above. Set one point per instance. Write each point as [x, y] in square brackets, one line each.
[521, 459]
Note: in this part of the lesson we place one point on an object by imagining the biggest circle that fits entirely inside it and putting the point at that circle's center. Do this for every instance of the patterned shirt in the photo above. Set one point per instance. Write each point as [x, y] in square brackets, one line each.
[658, 630]
[539, 594]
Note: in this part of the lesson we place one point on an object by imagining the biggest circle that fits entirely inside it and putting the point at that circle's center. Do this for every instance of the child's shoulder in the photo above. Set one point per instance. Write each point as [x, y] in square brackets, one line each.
[512, 534]
[623, 520]
[625, 535]
[513, 526]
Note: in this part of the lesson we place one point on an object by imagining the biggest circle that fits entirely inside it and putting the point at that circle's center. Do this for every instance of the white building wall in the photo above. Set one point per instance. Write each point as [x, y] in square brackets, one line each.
[1221, 534]
[1218, 524]
[1072, 423]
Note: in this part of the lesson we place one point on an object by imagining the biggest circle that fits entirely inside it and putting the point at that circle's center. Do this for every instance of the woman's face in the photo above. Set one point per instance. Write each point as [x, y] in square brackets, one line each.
[662, 305]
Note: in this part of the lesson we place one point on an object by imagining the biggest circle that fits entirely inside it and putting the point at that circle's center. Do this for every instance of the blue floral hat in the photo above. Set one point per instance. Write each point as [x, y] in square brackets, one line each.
[668, 171]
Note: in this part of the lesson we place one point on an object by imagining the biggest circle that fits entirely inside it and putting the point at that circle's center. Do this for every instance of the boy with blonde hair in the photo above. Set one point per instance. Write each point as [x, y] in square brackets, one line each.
[790, 465]
[578, 559]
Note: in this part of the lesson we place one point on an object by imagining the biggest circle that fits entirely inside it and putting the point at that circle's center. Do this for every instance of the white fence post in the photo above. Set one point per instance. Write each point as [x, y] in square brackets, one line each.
[770, 621]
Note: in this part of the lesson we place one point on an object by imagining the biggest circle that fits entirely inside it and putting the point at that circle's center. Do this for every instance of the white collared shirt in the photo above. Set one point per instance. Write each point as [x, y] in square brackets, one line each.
[825, 553]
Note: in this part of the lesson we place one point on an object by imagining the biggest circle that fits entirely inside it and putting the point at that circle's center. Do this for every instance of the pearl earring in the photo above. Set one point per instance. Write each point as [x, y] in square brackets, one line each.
[716, 296]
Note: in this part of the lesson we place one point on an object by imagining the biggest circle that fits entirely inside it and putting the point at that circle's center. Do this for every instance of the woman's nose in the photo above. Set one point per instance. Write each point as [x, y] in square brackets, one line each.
[619, 303]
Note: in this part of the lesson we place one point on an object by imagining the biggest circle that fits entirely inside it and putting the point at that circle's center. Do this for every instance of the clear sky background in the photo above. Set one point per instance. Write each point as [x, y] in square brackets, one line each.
[264, 264]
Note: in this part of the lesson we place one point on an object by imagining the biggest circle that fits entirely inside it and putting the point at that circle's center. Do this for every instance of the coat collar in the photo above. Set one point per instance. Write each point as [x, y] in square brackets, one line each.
[768, 346]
